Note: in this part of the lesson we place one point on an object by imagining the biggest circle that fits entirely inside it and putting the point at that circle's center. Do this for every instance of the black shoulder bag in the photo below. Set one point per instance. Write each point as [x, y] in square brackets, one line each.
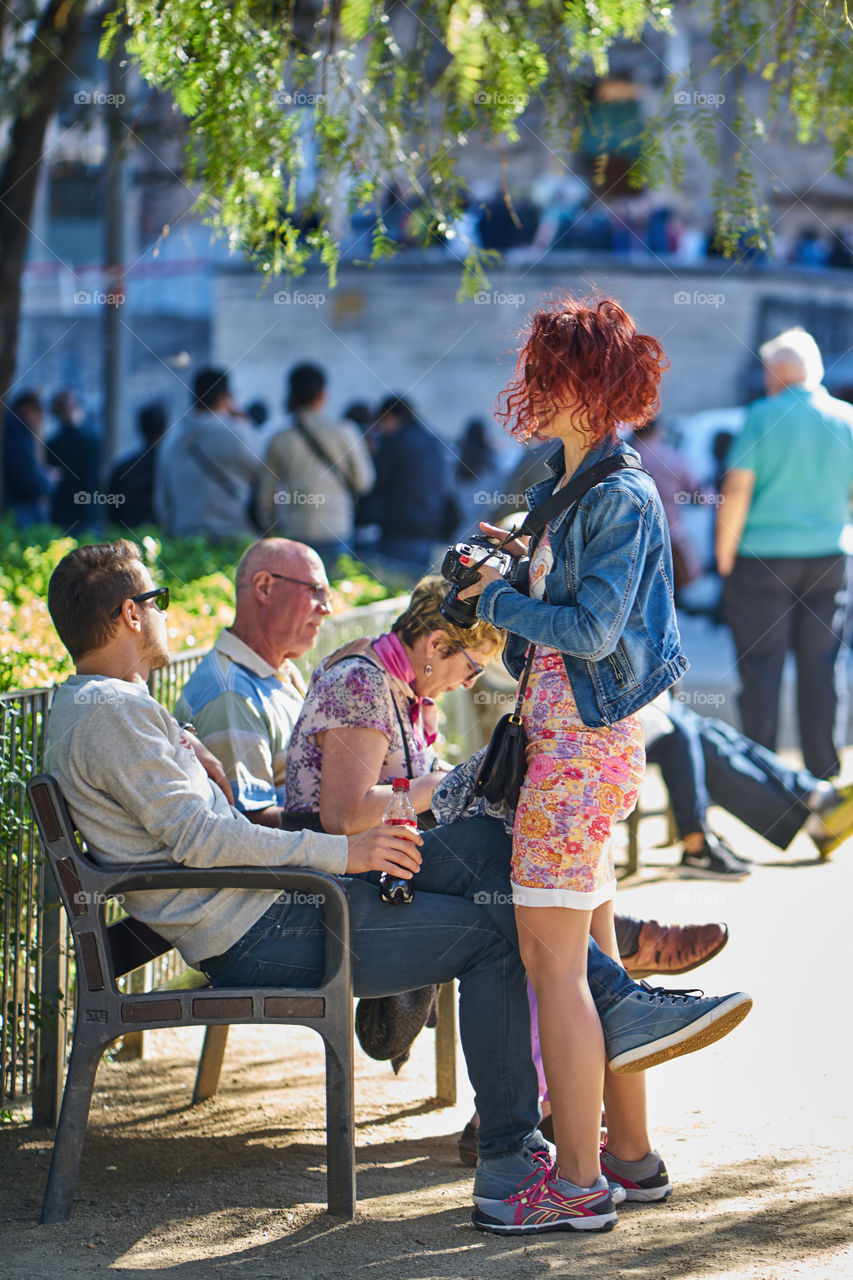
[504, 763]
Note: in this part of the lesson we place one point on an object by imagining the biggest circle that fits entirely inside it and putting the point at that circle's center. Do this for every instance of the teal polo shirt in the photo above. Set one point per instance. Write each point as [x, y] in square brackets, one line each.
[799, 444]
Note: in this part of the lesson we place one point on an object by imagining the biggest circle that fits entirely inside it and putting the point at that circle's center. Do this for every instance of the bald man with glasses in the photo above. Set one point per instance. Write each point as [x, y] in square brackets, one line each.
[244, 697]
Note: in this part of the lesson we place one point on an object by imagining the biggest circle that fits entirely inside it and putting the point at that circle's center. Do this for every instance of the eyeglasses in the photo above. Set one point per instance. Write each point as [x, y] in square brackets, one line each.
[476, 669]
[159, 597]
[319, 590]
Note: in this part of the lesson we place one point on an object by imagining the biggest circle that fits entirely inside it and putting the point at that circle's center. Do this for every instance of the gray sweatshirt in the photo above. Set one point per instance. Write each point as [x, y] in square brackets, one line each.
[138, 795]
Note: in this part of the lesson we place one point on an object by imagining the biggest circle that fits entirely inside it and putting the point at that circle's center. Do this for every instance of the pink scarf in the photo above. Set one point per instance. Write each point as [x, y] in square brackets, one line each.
[423, 712]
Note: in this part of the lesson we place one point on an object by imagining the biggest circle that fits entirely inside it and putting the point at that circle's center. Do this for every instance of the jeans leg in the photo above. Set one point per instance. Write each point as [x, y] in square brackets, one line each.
[679, 758]
[752, 783]
[818, 633]
[759, 608]
[472, 858]
[466, 931]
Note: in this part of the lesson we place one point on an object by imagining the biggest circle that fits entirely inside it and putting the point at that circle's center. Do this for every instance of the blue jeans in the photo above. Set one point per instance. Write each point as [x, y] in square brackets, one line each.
[460, 925]
[705, 761]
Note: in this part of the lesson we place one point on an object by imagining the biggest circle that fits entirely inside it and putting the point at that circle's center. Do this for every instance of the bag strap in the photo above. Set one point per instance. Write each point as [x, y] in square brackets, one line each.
[213, 472]
[522, 683]
[572, 492]
[409, 769]
[535, 521]
[320, 453]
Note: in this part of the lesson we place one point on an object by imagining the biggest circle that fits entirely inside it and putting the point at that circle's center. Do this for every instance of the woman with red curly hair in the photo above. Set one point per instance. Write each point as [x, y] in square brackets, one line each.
[600, 619]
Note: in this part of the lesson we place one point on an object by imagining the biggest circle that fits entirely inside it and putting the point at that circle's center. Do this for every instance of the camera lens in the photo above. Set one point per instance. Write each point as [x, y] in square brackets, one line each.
[462, 613]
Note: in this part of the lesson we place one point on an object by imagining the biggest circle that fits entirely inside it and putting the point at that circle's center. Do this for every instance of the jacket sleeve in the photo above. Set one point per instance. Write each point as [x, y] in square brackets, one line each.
[157, 785]
[608, 572]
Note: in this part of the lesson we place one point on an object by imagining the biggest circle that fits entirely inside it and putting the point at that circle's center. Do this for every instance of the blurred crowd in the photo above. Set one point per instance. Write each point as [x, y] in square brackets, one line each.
[568, 214]
[375, 480]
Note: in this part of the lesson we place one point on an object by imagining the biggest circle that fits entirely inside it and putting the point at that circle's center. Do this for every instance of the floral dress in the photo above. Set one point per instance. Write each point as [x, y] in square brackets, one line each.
[352, 694]
[579, 782]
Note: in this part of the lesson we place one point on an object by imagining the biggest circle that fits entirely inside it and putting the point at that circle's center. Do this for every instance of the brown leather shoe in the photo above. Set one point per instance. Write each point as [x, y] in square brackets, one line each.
[674, 948]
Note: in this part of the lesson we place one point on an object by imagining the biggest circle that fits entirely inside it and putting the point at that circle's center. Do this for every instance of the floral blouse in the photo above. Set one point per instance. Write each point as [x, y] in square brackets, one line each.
[352, 694]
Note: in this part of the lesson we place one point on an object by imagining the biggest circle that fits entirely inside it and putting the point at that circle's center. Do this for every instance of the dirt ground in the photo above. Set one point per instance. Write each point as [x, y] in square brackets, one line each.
[756, 1132]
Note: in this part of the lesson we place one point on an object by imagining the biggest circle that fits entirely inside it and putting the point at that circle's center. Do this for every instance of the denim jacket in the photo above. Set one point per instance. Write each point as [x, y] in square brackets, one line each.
[610, 609]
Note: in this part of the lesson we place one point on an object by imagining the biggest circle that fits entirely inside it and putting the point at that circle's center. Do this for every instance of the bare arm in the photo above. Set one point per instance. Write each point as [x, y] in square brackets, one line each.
[735, 499]
[351, 799]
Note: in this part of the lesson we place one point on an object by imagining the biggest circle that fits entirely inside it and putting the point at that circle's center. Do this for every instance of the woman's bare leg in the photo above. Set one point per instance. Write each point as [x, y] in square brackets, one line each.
[553, 944]
[624, 1096]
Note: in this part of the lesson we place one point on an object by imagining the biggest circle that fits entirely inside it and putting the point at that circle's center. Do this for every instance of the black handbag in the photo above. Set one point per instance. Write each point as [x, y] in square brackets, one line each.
[504, 763]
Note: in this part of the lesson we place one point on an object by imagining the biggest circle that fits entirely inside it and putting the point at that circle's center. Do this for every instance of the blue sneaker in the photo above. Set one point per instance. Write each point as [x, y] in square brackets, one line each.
[498, 1177]
[653, 1025]
[549, 1204]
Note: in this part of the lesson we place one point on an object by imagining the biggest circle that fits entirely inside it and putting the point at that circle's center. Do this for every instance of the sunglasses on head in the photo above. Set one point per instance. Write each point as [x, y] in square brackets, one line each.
[159, 597]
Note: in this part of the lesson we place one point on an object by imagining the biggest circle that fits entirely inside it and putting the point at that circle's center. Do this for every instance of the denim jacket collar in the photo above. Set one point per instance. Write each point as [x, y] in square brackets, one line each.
[555, 462]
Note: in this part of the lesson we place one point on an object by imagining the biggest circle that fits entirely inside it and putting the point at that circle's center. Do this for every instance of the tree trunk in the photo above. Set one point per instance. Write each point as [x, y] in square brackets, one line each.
[54, 39]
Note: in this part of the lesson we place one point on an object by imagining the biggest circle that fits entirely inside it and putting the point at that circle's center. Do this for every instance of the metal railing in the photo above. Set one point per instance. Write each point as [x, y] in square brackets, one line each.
[36, 973]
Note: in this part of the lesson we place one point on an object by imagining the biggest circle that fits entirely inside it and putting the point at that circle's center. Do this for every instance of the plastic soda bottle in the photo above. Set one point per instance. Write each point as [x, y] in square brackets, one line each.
[400, 813]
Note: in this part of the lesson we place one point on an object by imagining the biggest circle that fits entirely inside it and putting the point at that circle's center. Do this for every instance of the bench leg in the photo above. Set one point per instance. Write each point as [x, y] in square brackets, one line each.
[340, 1129]
[71, 1132]
[210, 1063]
[445, 1045]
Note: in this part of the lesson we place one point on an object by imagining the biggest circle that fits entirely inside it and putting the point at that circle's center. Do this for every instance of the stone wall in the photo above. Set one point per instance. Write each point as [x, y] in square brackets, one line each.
[399, 328]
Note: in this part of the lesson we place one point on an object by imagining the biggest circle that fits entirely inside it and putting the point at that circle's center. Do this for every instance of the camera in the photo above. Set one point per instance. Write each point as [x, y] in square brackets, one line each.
[463, 613]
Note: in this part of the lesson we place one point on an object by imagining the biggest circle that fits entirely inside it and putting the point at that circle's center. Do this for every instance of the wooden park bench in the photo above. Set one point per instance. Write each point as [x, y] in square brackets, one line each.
[104, 953]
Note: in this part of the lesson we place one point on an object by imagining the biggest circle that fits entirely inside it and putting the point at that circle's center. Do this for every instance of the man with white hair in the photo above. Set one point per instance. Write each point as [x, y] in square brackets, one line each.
[785, 501]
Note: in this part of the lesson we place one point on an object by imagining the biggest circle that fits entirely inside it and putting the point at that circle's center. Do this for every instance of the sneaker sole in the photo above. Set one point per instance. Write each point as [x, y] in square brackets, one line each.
[601, 1222]
[644, 1195]
[705, 1030]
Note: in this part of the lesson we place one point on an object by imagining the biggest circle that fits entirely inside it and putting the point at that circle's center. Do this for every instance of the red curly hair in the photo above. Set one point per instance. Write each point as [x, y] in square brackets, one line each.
[585, 352]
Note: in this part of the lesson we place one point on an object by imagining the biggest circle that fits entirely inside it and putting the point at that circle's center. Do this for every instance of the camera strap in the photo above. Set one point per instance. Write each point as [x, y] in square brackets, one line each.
[536, 520]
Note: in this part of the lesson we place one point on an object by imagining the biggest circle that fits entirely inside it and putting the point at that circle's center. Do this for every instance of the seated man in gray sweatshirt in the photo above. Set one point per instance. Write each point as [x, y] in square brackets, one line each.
[139, 794]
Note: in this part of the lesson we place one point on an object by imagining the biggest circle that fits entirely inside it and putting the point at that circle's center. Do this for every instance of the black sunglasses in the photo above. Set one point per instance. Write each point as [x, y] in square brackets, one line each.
[160, 597]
